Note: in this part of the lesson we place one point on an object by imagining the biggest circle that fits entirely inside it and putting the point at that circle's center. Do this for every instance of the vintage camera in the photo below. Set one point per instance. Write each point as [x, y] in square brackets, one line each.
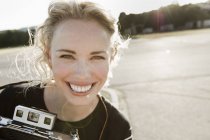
[31, 124]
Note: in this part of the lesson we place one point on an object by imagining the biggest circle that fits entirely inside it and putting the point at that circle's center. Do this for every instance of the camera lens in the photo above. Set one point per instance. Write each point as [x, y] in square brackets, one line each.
[47, 121]
[19, 113]
[33, 117]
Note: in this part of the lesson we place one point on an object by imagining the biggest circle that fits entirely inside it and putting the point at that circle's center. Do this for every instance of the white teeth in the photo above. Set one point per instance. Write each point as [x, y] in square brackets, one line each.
[80, 88]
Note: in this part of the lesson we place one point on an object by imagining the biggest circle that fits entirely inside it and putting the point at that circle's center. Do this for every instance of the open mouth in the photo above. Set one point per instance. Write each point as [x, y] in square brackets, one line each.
[80, 89]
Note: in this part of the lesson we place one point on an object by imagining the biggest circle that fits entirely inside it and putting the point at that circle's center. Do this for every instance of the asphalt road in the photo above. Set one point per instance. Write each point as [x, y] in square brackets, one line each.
[165, 79]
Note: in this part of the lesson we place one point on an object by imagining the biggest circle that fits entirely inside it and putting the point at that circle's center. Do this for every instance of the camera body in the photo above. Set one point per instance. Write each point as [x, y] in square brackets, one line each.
[34, 117]
[31, 123]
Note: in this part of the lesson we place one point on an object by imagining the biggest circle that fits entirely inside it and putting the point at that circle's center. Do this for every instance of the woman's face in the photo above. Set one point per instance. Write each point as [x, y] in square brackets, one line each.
[79, 57]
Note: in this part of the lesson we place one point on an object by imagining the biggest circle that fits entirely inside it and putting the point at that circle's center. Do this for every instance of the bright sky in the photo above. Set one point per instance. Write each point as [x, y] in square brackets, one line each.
[16, 14]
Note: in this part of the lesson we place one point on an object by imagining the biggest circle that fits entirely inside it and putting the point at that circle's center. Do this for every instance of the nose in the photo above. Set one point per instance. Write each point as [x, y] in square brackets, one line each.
[82, 70]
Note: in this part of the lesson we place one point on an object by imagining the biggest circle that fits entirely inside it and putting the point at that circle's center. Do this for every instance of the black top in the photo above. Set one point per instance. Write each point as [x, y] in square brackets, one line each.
[117, 127]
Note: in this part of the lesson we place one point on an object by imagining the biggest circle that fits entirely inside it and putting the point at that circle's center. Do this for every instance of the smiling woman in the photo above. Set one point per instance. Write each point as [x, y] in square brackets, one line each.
[79, 42]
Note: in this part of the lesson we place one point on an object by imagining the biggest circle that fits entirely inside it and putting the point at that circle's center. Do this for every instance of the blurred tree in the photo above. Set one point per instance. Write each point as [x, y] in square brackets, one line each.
[176, 15]
[13, 38]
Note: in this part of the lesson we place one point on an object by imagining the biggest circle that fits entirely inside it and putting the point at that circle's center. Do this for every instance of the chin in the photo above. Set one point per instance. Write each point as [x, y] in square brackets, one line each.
[82, 100]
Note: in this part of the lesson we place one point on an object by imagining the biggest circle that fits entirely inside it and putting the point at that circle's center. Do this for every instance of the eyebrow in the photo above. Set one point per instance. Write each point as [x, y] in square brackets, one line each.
[65, 50]
[73, 52]
[97, 52]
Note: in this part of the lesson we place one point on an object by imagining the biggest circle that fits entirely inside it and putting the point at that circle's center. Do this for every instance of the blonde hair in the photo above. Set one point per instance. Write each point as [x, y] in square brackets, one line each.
[59, 11]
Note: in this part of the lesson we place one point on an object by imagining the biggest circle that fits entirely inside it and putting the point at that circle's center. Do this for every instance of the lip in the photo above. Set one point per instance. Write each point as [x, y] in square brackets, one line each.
[80, 93]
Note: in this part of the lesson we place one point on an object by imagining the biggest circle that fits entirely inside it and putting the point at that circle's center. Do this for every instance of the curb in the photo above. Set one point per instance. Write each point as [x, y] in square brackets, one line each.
[117, 99]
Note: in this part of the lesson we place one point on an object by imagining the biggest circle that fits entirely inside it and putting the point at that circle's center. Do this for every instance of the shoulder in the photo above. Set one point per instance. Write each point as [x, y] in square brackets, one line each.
[9, 97]
[14, 94]
[114, 114]
[12, 91]
[15, 90]
[118, 125]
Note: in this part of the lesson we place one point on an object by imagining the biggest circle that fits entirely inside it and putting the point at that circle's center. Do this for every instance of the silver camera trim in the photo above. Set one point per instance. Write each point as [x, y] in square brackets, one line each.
[34, 117]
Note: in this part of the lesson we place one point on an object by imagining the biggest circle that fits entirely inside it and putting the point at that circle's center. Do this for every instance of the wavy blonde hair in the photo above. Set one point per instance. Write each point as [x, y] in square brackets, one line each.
[59, 11]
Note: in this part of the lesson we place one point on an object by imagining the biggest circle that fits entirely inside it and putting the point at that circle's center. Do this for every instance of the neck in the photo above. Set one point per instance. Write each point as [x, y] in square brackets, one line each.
[56, 103]
[69, 112]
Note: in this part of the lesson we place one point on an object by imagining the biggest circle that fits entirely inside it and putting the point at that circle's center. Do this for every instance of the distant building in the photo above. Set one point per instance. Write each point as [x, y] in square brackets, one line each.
[167, 27]
[199, 24]
[131, 30]
[134, 29]
[189, 25]
[147, 30]
[206, 23]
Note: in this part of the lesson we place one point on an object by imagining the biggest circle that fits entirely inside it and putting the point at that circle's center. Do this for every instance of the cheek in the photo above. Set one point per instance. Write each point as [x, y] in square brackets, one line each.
[60, 69]
[102, 70]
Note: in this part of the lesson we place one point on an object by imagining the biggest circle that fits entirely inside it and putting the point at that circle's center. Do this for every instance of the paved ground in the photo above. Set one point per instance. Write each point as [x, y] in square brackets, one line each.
[165, 81]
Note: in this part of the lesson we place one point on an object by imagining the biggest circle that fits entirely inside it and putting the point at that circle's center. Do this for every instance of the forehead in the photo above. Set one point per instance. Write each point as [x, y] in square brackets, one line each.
[81, 31]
